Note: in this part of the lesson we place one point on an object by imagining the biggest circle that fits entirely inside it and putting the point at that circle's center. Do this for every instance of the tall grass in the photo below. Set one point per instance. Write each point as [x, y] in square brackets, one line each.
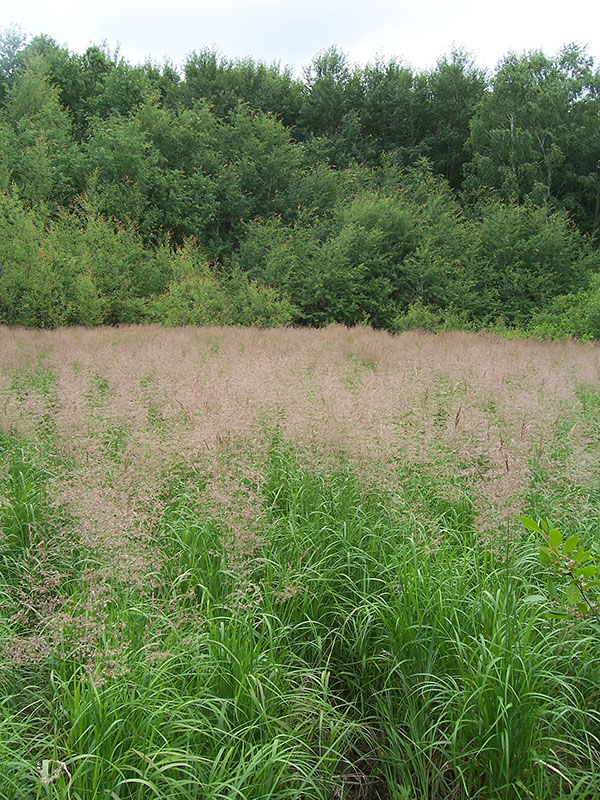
[359, 660]
[263, 623]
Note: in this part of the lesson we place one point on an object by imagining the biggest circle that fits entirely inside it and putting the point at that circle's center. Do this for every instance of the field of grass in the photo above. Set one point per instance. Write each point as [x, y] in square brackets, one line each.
[241, 564]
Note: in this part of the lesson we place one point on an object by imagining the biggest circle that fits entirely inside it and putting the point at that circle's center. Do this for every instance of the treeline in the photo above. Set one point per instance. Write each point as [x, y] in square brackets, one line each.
[231, 192]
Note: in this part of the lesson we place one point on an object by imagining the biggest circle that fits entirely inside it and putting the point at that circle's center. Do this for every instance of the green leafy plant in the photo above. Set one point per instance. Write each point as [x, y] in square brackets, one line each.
[575, 587]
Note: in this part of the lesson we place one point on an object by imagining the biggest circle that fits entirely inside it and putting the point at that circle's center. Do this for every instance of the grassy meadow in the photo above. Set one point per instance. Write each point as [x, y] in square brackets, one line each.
[242, 564]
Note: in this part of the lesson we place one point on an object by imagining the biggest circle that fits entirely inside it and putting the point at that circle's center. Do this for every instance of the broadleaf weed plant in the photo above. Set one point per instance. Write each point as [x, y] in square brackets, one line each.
[575, 584]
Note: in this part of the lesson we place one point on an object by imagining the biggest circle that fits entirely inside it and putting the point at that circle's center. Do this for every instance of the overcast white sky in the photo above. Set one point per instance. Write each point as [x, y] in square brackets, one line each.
[418, 32]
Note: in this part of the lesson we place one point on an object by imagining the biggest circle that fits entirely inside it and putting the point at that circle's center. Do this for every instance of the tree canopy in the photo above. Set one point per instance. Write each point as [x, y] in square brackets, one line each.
[349, 194]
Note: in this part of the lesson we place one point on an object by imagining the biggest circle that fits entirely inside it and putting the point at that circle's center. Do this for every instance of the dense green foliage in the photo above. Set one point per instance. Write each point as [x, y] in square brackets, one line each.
[348, 195]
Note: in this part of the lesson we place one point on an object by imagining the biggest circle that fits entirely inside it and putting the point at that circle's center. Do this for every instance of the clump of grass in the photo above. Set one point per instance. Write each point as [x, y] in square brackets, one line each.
[465, 687]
